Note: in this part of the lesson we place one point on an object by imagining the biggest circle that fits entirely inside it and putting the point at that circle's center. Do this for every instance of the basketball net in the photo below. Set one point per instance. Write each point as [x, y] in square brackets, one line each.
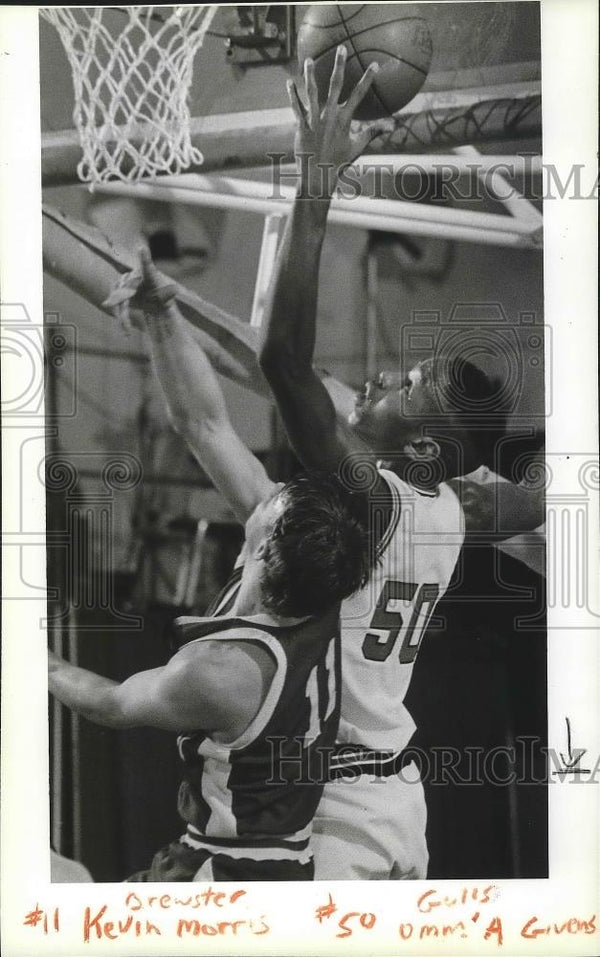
[131, 86]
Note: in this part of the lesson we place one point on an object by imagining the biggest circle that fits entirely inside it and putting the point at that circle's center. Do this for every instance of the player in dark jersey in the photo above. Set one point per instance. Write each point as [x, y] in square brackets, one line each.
[253, 694]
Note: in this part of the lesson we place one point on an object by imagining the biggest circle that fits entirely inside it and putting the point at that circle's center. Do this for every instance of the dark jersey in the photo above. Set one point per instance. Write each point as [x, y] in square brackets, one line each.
[263, 789]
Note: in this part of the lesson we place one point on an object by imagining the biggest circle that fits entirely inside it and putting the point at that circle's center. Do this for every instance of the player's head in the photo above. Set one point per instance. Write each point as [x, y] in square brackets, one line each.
[314, 549]
[437, 412]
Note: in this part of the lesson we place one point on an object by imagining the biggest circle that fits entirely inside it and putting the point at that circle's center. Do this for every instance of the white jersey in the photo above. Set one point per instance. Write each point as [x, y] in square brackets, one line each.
[384, 623]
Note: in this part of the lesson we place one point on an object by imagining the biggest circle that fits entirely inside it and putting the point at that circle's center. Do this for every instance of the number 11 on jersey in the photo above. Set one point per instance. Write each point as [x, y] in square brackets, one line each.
[423, 599]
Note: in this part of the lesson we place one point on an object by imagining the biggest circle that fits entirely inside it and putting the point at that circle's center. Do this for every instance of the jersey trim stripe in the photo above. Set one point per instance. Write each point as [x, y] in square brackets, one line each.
[352, 760]
[347, 756]
[376, 770]
[297, 841]
[224, 600]
[395, 517]
[271, 852]
[267, 708]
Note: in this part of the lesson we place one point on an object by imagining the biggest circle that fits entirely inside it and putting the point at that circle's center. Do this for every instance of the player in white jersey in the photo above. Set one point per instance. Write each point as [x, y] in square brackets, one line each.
[371, 821]
[386, 620]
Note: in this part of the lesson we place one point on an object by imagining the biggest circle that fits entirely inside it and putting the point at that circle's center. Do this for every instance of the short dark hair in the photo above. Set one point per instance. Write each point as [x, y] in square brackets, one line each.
[319, 551]
[469, 402]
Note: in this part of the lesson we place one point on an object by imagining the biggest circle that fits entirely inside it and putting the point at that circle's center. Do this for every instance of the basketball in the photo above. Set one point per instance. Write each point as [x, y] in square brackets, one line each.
[396, 36]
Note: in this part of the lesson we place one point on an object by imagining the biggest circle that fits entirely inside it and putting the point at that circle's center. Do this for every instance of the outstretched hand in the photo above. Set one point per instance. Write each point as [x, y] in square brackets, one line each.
[326, 141]
[155, 292]
[142, 292]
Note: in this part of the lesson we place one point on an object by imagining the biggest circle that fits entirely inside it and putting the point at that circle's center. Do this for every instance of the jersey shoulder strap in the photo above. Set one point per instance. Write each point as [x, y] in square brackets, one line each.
[223, 602]
[393, 483]
[190, 628]
[404, 490]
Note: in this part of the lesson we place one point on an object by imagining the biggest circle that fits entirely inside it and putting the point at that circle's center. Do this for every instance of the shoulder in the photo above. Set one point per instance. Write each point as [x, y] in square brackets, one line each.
[232, 676]
[244, 657]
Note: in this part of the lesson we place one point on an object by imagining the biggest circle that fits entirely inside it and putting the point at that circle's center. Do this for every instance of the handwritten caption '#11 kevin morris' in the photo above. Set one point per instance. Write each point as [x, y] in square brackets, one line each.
[472, 913]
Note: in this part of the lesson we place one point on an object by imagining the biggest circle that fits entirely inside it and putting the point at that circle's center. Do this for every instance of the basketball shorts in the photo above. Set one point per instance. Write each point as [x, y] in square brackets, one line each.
[372, 827]
[180, 862]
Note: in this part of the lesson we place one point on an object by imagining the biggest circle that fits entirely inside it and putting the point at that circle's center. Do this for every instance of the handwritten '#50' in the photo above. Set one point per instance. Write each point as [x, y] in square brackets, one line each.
[365, 920]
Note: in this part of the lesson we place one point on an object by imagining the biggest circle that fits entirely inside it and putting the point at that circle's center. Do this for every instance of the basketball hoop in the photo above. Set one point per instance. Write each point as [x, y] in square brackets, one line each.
[131, 86]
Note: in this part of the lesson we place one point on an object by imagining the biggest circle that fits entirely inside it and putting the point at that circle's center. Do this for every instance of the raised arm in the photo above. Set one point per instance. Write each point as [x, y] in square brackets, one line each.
[324, 145]
[195, 400]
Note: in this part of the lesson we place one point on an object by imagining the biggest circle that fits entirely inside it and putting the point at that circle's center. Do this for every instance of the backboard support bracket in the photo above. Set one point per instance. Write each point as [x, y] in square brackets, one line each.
[266, 35]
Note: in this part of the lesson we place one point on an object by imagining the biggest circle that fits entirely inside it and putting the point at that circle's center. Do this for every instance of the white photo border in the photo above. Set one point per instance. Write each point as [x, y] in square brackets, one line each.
[572, 892]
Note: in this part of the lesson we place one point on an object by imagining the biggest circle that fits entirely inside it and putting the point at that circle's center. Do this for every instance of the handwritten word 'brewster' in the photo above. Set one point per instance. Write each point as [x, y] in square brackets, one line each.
[206, 897]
